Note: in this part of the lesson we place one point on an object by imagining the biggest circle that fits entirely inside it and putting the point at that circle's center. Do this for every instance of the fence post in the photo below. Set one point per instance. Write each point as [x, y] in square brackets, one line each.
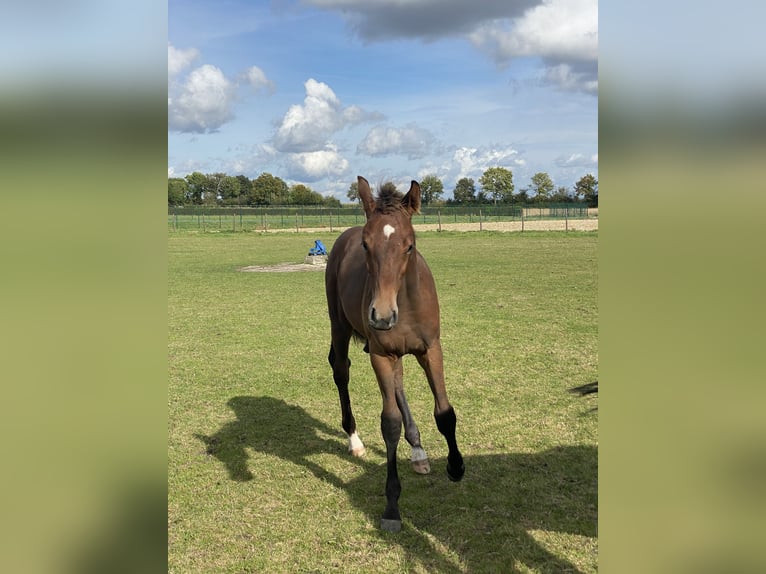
[566, 219]
[439, 215]
[481, 222]
[330, 221]
[297, 229]
[522, 220]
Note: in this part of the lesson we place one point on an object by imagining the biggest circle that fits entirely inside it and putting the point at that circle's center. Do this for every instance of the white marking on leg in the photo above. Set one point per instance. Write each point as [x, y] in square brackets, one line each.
[388, 230]
[419, 461]
[355, 445]
[418, 454]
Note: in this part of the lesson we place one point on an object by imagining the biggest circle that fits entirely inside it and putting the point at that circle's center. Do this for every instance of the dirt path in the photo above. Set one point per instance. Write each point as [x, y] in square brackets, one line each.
[529, 225]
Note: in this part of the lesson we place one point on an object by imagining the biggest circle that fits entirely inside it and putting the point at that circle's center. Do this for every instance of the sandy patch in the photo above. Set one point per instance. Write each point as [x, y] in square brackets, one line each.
[283, 268]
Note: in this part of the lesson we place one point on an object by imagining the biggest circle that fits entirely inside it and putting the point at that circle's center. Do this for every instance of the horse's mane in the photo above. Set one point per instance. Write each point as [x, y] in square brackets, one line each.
[389, 200]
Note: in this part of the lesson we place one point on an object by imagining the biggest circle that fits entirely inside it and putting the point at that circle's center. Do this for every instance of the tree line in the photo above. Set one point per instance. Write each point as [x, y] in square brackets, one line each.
[225, 190]
[496, 186]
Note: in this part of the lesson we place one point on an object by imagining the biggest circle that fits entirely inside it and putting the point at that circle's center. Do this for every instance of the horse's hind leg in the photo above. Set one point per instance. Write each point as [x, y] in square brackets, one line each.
[446, 421]
[419, 458]
[340, 363]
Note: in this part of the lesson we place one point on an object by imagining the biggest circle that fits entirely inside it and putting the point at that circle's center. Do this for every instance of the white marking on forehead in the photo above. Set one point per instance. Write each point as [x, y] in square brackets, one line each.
[388, 230]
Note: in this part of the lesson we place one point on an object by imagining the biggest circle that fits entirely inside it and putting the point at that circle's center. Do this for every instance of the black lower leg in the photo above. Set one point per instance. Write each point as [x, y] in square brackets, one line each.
[391, 428]
[340, 372]
[411, 431]
[446, 422]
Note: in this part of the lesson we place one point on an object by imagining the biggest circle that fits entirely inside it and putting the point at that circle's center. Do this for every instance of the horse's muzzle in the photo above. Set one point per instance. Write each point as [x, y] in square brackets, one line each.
[382, 323]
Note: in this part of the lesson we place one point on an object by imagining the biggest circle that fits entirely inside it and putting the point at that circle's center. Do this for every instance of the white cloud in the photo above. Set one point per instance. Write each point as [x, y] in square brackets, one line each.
[577, 160]
[179, 60]
[412, 141]
[556, 29]
[564, 33]
[202, 100]
[202, 103]
[315, 165]
[256, 78]
[472, 162]
[308, 127]
[567, 78]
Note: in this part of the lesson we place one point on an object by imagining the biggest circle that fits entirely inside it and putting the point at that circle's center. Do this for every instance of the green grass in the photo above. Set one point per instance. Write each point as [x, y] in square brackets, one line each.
[258, 474]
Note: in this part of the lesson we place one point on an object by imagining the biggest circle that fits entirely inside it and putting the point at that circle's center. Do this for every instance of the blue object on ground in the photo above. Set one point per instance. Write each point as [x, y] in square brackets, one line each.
[318, 249]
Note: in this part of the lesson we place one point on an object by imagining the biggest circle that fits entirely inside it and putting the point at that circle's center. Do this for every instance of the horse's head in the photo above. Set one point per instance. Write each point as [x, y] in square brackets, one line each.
[388, 240]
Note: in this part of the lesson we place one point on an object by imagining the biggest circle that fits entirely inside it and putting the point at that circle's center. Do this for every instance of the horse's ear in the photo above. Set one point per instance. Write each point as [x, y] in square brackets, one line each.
[365, 194]
[411, 201]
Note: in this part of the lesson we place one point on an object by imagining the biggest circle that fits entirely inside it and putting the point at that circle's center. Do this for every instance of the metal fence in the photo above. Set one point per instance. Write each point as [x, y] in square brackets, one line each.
[331, 218]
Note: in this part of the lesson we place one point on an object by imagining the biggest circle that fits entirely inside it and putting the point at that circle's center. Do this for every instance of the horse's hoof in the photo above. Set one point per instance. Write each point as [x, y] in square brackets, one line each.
[421, 466]
[358, 452]
[455, 475]
[390, 525]
[355, 445]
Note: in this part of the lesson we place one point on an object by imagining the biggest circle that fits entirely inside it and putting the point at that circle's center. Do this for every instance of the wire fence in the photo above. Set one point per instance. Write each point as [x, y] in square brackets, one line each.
[335, 218]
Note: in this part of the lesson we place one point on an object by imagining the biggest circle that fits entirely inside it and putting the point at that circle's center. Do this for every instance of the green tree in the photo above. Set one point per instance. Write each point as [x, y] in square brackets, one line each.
[198, 185]
[303, 195]
[353, 192]
[587, 187]
[245, 185]
[177, 190]
[268, 189]
[465, 191]
[224, 189]
[431, 189]
[497, 183]
[561, 195]
[523, 196]
[331, 201]
[542, 185]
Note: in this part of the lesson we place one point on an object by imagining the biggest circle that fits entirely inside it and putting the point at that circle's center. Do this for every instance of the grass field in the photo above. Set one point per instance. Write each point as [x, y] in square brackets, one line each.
[258, 474]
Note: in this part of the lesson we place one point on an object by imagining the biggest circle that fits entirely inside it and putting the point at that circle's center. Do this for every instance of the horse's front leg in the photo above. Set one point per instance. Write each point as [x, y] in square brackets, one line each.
[419, 458]
[446, 421]
[391, 428]
[338, 359]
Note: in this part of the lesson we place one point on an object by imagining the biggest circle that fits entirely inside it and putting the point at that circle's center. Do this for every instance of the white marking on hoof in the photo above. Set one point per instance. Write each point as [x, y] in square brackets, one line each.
[355, 445]
[388, 230]
[419, 461]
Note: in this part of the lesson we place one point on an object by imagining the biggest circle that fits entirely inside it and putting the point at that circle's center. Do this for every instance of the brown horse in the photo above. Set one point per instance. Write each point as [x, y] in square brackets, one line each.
[380, 290]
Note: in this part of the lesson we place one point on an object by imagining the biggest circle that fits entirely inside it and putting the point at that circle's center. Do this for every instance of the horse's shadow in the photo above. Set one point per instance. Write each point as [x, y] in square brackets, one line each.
[501, 499]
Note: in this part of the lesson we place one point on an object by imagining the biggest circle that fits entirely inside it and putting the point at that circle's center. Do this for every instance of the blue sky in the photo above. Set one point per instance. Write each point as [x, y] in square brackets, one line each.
[320, 91]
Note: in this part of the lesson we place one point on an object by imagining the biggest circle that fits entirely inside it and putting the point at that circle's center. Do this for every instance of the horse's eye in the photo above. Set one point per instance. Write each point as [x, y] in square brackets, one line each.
[364, 245]
[410, 248]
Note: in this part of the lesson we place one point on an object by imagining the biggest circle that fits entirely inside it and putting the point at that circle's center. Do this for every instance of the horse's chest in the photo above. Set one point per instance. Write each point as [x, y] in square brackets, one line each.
[401, 340]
